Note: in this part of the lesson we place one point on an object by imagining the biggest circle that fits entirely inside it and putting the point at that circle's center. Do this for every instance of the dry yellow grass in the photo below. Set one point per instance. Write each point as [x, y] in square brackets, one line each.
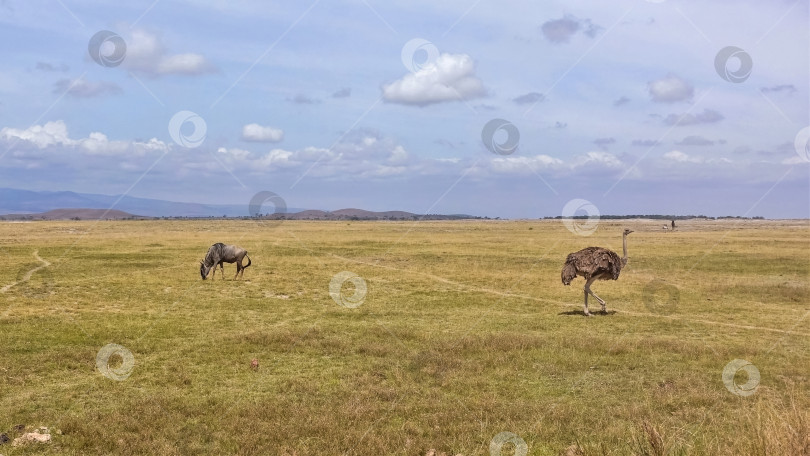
[465, 332]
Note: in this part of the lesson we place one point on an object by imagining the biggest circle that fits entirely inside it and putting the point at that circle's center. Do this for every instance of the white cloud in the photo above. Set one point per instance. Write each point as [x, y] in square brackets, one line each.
[146, 54]
[153, 145]
[597, 158]
[234, 152]
[183, 64]
[303, 99]
[82, 88]
[706, 117]
[387, 171]
[524, 164]
[55, 134]
[398, 155]
[591, 163]
[670, 89]
[645, 142]
[258, 133]
[794, 161]
[279, 159]
[45, 66]
[695, 140]
[561, 30]
[450, 78]
[529, 98]
[41, 136]
[681, 157]
[97, 143]
[363, 153]
[604, 143]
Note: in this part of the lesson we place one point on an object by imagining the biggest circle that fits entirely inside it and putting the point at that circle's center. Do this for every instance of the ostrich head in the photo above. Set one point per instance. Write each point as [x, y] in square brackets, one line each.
[627, 231]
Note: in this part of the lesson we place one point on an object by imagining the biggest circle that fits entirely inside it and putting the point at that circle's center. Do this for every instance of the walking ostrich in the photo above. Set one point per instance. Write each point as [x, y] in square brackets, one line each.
[595, 263]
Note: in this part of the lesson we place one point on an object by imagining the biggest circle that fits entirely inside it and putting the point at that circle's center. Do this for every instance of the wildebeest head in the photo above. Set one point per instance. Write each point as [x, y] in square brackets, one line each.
[203, 270]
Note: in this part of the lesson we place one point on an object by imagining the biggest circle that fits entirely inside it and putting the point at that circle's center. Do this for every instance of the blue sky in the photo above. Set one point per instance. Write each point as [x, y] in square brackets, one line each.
[334, 104]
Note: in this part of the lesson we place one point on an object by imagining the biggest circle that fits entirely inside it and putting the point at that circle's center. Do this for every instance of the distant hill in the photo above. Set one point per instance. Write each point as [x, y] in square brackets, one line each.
[30, 205]
[14, 201]
[74, 214]
[360, 214]
[342, 214]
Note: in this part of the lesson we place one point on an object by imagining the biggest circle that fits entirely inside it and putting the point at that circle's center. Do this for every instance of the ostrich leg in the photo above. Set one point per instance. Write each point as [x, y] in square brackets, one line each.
[589, 291]
[601, 301]
[587, 314]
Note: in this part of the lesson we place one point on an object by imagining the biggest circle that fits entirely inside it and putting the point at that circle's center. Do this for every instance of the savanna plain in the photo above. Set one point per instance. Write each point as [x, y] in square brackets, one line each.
[462, 332]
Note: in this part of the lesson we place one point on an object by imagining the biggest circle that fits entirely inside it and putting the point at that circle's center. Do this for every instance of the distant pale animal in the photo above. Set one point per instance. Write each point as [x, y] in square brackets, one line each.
[594, 263]
[220, 253]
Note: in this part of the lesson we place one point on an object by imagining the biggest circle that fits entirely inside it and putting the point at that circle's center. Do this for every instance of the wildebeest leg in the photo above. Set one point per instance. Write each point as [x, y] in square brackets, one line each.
[222, 269]
[238, 269]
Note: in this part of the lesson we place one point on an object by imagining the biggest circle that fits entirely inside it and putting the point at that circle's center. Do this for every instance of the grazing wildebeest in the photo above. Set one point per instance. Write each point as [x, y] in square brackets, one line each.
[220, 253]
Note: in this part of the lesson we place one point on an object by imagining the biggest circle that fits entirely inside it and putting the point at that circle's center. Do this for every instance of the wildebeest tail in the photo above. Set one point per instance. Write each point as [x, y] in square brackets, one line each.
[248, 257]
[569, 272]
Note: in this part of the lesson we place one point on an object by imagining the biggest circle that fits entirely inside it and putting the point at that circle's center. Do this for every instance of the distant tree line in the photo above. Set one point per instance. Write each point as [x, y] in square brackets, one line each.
[659, 217]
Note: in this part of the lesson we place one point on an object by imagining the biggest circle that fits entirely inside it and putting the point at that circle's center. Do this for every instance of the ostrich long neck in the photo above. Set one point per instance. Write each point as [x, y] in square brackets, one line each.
[624, 249]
